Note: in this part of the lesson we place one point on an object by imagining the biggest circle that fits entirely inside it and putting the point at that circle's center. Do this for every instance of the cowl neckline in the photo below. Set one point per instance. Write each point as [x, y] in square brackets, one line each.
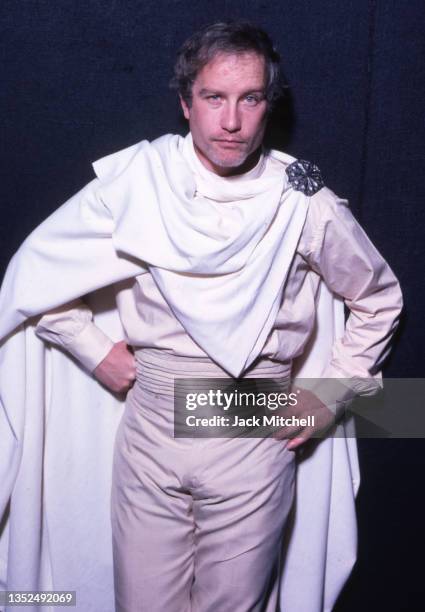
[221, 269]
[179, 230]
[224, 189]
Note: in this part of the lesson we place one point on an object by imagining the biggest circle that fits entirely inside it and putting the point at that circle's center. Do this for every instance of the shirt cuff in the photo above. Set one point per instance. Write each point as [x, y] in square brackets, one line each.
[90, 346]
[338, 392]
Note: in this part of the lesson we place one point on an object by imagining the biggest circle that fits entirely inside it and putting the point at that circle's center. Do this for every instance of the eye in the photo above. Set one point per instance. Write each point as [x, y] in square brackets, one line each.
[214, 98]
[251, 99]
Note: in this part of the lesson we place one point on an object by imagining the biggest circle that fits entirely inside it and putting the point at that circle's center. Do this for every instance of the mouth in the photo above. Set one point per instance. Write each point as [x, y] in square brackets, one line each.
[229, 142]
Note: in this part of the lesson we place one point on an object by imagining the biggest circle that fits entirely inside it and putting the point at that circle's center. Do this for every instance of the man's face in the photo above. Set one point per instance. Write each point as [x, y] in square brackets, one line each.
[227, 117]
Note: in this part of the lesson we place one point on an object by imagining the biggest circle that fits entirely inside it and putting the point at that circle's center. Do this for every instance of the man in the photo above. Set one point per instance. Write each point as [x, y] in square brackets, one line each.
[223, 256]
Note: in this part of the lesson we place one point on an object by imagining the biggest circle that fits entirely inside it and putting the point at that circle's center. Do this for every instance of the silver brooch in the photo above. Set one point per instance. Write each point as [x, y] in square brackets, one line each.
[305, 176]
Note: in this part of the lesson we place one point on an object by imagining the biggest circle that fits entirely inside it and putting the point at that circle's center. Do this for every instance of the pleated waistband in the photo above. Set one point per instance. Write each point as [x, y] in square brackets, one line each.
[157, 369]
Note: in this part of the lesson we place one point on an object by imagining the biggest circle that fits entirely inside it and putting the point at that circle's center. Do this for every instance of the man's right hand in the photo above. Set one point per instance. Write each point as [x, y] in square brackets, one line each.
[118, 370]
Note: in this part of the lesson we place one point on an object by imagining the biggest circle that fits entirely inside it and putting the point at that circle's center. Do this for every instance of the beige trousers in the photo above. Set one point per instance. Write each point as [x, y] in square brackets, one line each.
[196, 523]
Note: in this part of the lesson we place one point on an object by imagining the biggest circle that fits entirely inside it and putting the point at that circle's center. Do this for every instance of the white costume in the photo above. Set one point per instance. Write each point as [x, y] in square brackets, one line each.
[57, 456]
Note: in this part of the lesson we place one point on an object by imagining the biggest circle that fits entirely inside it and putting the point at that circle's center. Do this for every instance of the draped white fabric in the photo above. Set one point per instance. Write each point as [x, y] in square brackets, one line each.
[222, 271]
[223, 281]
[237, 256]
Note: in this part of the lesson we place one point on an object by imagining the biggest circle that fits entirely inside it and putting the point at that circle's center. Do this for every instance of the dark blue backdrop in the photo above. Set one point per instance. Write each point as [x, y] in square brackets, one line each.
[83, 79]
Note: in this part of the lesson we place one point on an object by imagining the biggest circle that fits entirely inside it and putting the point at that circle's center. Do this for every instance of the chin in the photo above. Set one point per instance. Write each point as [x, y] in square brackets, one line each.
[228, 162]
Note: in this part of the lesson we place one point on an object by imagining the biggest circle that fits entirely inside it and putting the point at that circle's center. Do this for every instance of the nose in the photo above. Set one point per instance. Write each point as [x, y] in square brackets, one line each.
[230, 118]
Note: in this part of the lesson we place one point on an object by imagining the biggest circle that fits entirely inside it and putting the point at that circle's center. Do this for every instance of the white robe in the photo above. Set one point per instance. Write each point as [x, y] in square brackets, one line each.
[58, 426]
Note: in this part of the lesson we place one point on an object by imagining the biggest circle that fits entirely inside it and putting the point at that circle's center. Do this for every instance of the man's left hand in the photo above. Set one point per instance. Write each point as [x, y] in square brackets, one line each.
[308, 404]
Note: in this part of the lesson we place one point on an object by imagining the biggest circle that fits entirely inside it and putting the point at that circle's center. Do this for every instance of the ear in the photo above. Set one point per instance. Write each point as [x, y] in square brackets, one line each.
[185, 108]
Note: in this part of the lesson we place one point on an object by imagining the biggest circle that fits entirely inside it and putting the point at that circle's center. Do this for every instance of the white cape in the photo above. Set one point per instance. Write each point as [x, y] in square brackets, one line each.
[57, 428]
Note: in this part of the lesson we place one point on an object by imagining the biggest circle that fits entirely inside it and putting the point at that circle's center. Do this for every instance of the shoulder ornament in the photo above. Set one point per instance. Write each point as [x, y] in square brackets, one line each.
[304, 176]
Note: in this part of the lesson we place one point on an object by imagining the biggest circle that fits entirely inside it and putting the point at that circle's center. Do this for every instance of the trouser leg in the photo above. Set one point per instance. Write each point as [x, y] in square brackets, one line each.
[240, 509]
[152, 525]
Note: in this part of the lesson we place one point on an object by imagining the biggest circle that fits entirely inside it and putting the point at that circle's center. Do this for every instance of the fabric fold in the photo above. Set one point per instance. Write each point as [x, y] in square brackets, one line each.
[222, 271]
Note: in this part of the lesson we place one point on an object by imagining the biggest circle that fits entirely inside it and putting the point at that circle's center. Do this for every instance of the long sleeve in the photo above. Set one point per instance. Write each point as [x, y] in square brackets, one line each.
[71, 327]
[342, 254]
